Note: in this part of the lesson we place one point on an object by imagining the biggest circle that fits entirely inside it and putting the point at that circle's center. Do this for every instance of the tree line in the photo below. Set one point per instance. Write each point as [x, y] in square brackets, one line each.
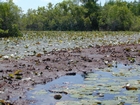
[70, 15]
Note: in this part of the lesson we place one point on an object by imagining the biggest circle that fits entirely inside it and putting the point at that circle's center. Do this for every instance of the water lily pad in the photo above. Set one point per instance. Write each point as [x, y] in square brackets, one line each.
[103, 86]
[68, 103]
[78, 96]
[41, 92]
[110, 102]
[92, 102]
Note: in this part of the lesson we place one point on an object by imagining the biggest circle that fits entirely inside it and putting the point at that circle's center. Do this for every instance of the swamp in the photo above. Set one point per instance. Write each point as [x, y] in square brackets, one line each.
[74, 52]
[68, 67]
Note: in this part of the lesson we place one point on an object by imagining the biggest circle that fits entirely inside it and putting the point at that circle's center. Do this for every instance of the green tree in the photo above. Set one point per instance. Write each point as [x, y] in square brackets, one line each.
[116, 16]
[93, 10]
[81, 15]
[135, 24]
[9, 19]
[134, 7]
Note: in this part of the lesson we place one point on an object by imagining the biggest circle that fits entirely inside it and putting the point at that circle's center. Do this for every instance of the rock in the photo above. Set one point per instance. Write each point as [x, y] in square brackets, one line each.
[73, 73]
[57, 96]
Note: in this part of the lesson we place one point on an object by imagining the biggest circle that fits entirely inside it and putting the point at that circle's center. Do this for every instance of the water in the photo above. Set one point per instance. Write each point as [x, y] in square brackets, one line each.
[104, 85]
[42, 94]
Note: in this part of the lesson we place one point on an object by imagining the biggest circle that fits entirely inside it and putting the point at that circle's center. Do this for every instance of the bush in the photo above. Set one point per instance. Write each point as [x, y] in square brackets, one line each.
[136, 24]
[14, 31]
[3, 33]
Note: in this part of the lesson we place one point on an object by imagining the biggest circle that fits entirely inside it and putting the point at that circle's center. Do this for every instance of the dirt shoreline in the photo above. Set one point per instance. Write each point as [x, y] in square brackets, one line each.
[19, 76]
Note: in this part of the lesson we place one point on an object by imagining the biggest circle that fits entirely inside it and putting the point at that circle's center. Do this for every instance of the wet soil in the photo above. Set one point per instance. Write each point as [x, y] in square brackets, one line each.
[19, 76]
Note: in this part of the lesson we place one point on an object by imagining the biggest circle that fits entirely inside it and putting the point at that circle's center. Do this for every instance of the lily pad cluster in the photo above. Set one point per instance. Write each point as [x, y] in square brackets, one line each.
[105, 88]
[36, 43]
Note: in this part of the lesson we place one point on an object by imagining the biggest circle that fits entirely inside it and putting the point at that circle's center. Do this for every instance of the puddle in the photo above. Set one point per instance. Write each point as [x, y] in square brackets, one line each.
[101, 87]
[42, 95]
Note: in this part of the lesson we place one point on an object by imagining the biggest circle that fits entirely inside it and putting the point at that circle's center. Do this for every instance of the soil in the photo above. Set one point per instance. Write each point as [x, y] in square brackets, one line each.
[19, 76]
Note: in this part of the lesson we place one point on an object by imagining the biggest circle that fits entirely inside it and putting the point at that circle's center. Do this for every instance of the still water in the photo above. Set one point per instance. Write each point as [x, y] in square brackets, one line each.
[100, 87]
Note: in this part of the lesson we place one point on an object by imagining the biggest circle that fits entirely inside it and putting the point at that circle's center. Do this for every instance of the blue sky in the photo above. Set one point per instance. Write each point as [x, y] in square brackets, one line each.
[26, 4]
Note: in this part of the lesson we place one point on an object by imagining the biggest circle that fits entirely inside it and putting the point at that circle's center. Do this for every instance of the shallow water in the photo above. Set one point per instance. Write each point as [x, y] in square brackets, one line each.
[104, 86]
[40, 43]
[43, 96]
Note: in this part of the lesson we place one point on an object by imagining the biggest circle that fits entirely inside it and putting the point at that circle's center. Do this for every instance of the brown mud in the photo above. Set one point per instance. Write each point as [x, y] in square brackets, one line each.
[19, 76]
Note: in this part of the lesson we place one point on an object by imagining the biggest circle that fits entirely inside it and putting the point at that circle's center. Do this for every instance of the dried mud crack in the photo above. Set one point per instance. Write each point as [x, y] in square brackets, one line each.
[19, 76]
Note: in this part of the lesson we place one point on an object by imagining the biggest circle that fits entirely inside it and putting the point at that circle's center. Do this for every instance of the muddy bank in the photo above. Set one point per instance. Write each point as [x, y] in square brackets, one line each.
[19, 76]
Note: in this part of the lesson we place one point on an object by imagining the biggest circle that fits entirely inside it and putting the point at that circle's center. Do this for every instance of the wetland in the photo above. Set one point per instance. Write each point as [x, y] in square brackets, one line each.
[64, 68]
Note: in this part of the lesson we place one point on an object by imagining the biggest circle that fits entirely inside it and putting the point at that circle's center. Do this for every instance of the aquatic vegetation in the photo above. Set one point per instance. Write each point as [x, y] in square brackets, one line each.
[33, 42]
[41, 92]
[104, 86]
[119, 86]
[38, 55]
[3, 102]
[11, 75]
[18, 72]
[131, 59]
[17, 75]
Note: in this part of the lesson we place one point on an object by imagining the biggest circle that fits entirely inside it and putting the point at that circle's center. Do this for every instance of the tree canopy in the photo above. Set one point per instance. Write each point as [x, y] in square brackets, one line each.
[84, 15]
[9, 19]
[70, 15]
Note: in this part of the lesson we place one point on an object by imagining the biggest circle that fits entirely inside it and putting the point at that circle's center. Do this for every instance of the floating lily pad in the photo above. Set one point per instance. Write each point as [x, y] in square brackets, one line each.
[82, 102]
[103, 86]
[110, 102]
[68, 103]
[41, 92]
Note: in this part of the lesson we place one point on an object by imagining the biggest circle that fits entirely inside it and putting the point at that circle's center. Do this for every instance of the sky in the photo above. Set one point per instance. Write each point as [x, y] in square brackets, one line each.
[27, 4]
